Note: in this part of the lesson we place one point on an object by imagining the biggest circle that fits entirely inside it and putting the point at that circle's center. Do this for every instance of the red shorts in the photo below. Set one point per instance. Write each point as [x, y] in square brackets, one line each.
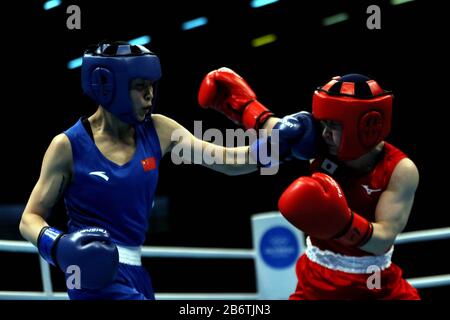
[316, 282]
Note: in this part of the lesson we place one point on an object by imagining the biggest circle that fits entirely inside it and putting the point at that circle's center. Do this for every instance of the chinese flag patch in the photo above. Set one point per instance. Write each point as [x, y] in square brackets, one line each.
[149, 163]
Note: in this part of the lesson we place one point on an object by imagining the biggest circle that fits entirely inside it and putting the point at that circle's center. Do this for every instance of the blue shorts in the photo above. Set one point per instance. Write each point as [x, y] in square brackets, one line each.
[132, 283]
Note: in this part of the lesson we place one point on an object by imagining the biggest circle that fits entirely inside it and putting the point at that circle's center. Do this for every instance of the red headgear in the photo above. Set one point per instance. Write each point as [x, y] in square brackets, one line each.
[361, 106]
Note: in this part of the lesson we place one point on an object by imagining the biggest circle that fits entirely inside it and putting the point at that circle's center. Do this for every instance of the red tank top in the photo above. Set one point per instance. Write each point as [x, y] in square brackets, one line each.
[361, 190]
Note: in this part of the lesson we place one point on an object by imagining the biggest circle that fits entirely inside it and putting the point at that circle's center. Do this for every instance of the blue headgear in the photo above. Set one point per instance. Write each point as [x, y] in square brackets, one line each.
[107, 71]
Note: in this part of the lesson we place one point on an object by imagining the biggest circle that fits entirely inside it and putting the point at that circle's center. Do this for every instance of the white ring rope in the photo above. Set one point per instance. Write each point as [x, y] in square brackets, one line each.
[152, 252]
[431, 281]
[217, 253]
[424, 235]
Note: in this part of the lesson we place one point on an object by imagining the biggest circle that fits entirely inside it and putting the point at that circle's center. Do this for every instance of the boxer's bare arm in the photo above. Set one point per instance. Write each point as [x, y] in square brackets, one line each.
[186, 148]
[394, 207]
[54, 176]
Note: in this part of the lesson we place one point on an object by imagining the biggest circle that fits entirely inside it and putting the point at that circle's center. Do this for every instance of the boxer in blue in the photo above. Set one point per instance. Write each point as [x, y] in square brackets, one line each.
[106, 168]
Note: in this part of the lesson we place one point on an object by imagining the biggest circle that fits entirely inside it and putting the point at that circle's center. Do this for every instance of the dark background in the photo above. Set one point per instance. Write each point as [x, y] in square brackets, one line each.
[199, 207]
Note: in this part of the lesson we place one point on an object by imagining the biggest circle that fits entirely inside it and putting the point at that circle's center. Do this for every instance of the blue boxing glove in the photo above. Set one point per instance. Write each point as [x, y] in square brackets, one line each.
[294, 136]
[298, 136]
[90, 249]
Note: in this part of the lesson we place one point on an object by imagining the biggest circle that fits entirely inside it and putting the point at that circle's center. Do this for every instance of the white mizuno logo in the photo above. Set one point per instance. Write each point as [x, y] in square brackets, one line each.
[368, 190]
[100, 174]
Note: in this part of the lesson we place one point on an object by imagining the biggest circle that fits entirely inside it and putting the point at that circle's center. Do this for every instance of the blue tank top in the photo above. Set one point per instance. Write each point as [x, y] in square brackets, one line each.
[104, 194]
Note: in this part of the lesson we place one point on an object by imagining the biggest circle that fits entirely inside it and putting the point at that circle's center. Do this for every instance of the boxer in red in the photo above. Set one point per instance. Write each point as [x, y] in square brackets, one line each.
[360, 194]
[357, 200]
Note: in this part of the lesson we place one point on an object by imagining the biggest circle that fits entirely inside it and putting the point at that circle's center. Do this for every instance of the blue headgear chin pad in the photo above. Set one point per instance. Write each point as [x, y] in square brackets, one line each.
[107, 71]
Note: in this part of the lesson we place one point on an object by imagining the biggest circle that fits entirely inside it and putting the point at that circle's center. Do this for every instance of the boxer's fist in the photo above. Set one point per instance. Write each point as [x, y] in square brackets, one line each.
[90, 249]
[298, 134]
[227, 92]
[317, 205]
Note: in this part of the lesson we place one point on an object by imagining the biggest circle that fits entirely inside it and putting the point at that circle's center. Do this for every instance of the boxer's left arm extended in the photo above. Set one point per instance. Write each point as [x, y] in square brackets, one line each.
[186, 148]
[317, 205]
[296, 133]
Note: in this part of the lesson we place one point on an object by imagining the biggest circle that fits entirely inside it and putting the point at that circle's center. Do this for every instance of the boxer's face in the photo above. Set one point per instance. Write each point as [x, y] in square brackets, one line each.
[141, 93]
[331, 133]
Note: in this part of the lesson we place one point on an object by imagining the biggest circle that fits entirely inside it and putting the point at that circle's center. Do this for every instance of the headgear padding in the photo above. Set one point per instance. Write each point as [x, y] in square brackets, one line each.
[361, 106]
[107, 71]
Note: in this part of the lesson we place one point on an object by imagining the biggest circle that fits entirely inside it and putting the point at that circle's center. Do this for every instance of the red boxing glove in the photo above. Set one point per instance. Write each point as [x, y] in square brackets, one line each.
[227, 92]
[318, 206]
